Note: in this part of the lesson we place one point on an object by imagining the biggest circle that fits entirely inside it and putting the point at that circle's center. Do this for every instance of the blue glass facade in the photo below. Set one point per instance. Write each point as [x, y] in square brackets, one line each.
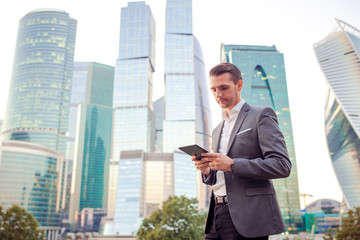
[187, 108]
[264, 78]
[187, 111]
[95, 156]
[37, 116]
[133, 84]
[129, 197]
[185, 177]
[133, 124]
[29, 177]
[159, 115]
[181, 117]
[39, 96]
[338, 56]
[344, 150]
[91, 138]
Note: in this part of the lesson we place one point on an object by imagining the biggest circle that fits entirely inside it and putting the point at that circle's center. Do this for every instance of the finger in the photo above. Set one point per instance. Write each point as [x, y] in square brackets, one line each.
[204, 164]
[210, 154]
[207, 159]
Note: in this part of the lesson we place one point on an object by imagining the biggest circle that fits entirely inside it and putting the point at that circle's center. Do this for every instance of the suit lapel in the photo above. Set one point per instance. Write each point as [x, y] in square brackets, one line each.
[216, 137]
[239, 120]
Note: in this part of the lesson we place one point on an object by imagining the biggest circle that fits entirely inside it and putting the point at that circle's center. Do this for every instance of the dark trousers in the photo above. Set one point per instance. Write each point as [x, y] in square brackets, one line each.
[222, 227]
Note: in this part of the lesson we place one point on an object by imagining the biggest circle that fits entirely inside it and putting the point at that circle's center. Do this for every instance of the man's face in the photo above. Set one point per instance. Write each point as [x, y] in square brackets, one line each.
[225, 91]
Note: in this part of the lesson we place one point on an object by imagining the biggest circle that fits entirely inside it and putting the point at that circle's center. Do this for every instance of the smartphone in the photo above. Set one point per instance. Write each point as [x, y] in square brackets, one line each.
[193, 150]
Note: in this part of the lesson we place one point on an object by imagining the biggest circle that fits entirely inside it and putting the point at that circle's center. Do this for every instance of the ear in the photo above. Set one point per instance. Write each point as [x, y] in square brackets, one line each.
[239, 85]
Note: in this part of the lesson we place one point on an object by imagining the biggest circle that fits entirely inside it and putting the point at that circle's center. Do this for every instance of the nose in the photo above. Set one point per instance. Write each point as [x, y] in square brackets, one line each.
[218, 94]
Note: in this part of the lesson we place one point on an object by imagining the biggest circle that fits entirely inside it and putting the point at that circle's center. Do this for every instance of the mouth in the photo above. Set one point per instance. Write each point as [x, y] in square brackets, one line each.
[222, 101]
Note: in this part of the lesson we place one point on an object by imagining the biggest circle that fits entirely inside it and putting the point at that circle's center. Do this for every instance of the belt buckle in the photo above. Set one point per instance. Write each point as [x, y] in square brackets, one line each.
[220, 200]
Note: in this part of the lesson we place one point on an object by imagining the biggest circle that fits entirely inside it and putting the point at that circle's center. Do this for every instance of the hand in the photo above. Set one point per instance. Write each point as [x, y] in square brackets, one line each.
[202, 165]
[218, 161]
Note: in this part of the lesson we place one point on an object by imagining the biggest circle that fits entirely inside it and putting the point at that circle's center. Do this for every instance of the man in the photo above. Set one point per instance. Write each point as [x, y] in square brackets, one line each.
[249, 150]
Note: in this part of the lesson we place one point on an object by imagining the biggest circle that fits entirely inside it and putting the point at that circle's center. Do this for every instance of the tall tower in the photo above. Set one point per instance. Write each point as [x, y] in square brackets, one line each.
[133, 83]
[91, 105]
[39, 96]
[35, 128]
[338, 55]
[133, 124]
[263, 71]
[187, 107]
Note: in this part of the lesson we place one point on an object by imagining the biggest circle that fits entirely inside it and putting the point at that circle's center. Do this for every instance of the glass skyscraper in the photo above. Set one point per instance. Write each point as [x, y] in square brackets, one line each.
[29, 177]
[133, 84]
[150, 166]
[187, 108]
[338, 55]
[263, 72]
[36, 121]
[39, 96]
[159, 115]
[150, 179]
[133, 121]
[91, 113]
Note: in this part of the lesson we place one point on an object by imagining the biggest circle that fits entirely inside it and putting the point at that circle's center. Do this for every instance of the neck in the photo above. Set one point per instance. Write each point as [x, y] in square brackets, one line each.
[229, 108]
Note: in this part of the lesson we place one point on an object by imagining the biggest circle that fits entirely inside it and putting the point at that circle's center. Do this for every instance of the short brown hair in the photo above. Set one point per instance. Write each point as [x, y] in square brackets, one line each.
[227, 68]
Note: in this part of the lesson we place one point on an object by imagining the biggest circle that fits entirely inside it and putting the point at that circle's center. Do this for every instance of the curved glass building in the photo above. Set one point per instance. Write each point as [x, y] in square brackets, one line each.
[339, 59]
[35, 127]
[265, 85]
[39, 95]
[29, 178]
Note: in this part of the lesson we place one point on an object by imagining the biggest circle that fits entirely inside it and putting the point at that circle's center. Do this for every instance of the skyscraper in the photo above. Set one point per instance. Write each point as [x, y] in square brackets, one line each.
[133, 120]
[133, 124]
[91, 105]
[338, 55]
[263, 72]
[30, 176]
[151, 177]
[35, 126]
[39, 96]
[187, 108]
[133, 83]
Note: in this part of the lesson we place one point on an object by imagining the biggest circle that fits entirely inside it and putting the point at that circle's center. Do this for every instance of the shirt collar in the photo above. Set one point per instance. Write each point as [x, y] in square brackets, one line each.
[234, 111]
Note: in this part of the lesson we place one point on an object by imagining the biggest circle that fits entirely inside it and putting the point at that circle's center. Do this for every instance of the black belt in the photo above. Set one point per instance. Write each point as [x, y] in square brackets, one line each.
[220, 200]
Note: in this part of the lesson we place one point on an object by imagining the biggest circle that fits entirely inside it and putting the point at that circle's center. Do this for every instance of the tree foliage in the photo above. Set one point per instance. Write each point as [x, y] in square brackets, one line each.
[350, 226]
[178, 219]
[329, 235]
[17, 224]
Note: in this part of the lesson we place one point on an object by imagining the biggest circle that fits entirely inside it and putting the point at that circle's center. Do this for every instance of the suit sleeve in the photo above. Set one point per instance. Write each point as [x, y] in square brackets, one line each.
[275, 162]
[209, 180]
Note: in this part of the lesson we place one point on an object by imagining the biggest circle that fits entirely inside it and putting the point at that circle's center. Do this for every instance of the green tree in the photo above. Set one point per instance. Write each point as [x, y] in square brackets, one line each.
[329, 235]
[178, 219]
[17, 224]
[350, 226]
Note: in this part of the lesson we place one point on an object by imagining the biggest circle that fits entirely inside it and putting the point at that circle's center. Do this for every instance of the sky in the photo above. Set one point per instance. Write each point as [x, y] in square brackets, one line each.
[293, 26]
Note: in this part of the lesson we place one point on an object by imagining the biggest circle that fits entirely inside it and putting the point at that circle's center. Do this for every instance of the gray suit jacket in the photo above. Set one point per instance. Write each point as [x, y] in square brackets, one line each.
[258, 148]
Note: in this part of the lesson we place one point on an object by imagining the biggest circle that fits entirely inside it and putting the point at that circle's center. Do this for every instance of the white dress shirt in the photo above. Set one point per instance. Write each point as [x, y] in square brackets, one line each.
[229, 121]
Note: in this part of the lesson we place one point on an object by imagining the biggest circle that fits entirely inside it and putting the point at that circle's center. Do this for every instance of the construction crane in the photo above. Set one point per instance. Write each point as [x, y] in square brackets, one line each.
[304, 195]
